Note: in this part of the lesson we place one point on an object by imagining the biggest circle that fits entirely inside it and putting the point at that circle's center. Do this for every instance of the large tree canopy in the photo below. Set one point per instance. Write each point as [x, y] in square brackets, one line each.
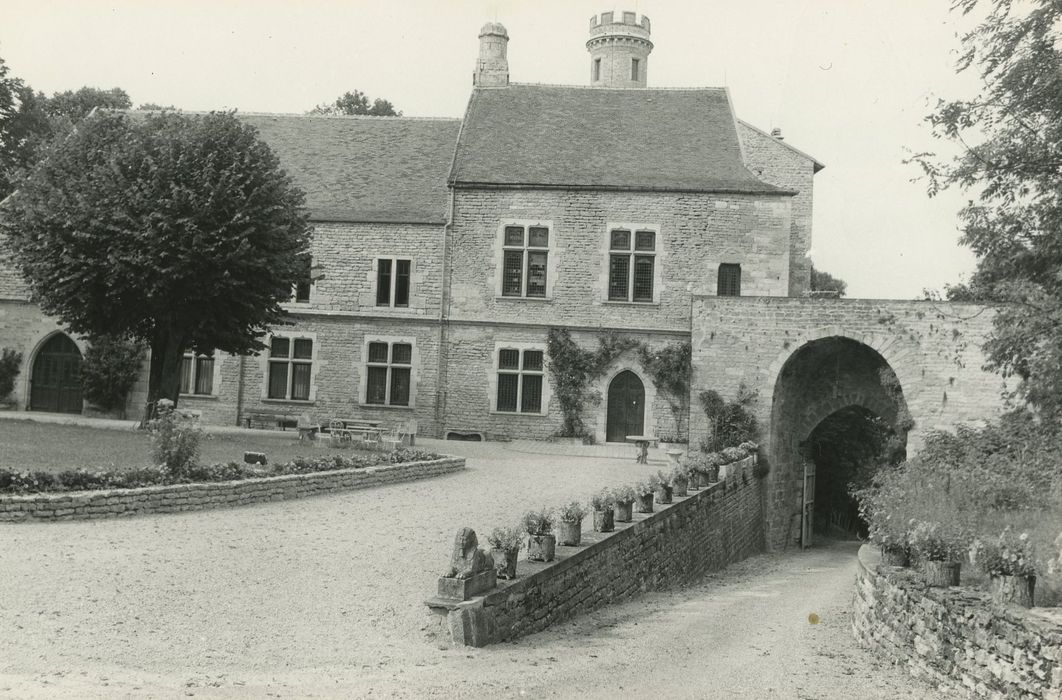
[179, 230]
[357, 102]
[1011, 160]
[822, 281]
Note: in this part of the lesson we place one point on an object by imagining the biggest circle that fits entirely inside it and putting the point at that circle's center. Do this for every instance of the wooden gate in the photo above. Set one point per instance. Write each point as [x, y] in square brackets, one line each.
[807, 512]
[55, 383]
[626, 407]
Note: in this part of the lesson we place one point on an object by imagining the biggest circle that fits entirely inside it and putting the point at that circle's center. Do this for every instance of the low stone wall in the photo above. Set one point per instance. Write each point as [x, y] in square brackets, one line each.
[677, 544]
[179, 497]
[955, 638]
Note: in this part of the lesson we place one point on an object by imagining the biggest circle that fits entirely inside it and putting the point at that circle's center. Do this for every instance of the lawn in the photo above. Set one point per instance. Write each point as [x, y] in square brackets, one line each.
[27, 445]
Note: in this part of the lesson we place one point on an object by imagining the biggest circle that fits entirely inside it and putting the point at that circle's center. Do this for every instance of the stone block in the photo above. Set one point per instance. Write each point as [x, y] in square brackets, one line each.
[463, 589]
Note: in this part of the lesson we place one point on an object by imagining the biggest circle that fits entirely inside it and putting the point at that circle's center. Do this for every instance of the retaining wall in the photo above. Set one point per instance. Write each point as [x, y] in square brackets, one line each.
[180, 497]
[956, 638]
[677, 544]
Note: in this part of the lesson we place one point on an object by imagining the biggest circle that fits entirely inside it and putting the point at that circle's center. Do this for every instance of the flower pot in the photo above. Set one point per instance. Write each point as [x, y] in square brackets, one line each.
[895, 556]
[942, 574]
[663, 494]
[604, 520]
[702, 480]
[680, 487]
[1013, 589]
[505, 562]
[541, 547]
[645, 503]
[570, 534]
[623, 512]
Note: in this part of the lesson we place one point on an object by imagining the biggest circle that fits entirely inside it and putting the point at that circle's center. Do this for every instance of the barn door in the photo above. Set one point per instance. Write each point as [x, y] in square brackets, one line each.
[807, 513]
[55, 384]
[626, 407]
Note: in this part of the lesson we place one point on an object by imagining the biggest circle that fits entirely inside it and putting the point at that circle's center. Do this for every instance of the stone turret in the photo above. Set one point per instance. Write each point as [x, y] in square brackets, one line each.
[619, 50]
[492, 67]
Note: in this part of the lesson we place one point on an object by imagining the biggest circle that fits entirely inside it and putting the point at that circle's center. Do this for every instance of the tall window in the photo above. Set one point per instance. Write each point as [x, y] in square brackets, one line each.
[597, 69]
[729, 284]
[301, 293]
[634, 68]
[525, 251]
[387, 373]
[290, 364]
[632, 257]
[519, 381]
[197, 374]
[392, 282]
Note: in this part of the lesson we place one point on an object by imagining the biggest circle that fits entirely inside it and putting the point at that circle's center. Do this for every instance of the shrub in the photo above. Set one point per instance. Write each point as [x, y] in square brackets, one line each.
[939, 541]
[9, 365]
[729, 422]
[1008, 555]
[602, 500]
[662, 478]
[573, 512]
[679, 473]
[109, 371]
[644, 488]
[509, 539]
[538, 522]
[733, 454]
[174, 439]
[625, 494]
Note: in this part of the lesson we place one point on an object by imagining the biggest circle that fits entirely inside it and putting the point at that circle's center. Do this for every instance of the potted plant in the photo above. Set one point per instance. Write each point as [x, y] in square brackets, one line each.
[644, 490]
[714, 462]
[541, 543]
[940, 547]
[602, 504]
[624, 503]
[1009, 562]
[505, 544]
[680, 481]
[570, 528]
[663, 487]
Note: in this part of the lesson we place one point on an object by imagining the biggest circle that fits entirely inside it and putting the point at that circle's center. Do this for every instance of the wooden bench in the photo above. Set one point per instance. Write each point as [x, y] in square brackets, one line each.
[270, 420]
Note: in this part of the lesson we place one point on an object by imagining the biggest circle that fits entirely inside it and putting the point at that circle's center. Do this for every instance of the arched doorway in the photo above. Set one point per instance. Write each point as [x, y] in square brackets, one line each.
[55, 383]
[626, 407]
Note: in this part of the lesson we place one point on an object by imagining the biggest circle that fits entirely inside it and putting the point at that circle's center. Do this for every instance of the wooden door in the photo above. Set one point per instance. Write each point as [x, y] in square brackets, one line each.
[807, 513]
[55, 383]
[626, 407]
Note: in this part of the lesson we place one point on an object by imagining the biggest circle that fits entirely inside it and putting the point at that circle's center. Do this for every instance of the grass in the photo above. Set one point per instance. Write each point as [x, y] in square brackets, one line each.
[31, 446]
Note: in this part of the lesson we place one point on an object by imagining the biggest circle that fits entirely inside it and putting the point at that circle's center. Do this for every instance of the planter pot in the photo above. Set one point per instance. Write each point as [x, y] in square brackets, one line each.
[645, 503]
[942, 574]
[623, 512]
[604, 520]
[541, 547]
[701, 479]
[680, 487]
[663, 494]
[570, 534]
[895, 556]
[505, 562]
[1013, 589]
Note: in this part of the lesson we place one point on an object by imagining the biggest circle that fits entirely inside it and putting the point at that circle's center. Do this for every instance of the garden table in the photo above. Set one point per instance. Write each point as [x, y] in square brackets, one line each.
[642, 442]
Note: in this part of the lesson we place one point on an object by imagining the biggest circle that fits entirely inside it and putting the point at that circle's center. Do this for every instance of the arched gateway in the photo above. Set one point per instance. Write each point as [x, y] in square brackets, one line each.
[626, 407]
[55, 383]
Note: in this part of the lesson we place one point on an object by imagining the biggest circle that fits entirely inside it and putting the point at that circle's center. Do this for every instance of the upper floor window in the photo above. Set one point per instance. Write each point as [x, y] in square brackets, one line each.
[197, 374]
[631, 263]
[525, 253]
[520, 375]
[729, 282]
[290, 368]
[597, 69]
[301, 293]
[634, 68]
[388, 370]
[392, 282]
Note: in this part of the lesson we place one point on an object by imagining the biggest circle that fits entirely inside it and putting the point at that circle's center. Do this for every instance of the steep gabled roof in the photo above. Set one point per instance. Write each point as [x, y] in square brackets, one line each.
[601, 138]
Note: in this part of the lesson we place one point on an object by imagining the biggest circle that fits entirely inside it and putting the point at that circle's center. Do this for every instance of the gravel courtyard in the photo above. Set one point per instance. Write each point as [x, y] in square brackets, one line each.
[323, 597]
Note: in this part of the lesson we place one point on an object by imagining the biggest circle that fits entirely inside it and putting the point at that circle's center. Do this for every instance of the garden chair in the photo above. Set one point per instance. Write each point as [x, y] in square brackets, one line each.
[408, 430]
[392, 439]
[308, 429]
[338, 433]
[371, 438]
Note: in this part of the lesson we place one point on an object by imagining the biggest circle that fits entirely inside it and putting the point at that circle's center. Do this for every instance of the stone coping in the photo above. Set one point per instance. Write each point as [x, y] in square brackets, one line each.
[170, 498]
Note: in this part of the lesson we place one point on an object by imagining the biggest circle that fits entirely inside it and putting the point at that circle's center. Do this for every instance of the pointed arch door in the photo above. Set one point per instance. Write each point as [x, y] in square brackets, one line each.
[55, 383]
[626, 407]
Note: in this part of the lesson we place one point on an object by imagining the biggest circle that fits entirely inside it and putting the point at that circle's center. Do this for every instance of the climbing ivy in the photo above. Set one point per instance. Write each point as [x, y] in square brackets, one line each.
[669, 369]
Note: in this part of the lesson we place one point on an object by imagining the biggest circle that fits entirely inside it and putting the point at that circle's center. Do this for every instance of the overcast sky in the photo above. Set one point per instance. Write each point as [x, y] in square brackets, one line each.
[848, 81]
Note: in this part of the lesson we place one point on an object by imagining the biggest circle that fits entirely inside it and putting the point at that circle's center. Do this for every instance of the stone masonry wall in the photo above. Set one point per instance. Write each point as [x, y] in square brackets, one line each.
[955, 638]
[113, 503]
[675, 545]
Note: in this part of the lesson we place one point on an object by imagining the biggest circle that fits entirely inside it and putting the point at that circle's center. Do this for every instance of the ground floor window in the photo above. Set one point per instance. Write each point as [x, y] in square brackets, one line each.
[389, 373]
[290, 368]
[520, 376]
[197, 374]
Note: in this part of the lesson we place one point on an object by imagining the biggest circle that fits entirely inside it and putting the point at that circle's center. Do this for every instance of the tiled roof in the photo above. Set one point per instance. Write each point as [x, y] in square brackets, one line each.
[638, 139]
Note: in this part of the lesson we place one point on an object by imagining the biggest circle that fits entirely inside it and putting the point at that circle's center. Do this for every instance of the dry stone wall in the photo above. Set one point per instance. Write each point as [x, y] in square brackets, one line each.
[956, 638]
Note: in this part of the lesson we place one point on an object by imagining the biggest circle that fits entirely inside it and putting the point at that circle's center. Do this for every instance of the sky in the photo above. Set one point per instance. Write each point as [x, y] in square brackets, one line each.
[848, 81]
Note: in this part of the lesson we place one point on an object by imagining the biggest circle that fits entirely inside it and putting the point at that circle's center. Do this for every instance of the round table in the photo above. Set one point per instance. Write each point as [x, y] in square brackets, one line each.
[642, 442]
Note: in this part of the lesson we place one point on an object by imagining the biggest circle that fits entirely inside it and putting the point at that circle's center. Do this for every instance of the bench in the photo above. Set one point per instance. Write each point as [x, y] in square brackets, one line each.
[270, 420]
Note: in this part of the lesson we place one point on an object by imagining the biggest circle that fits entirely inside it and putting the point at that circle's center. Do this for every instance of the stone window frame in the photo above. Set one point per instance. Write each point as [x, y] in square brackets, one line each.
[364, 364]
[635, 69]
[551, 251]
[215, 375]
[658, 258]
[265, 360]
[306, 282]
[495, 371]
[394, 259]
[719, 281]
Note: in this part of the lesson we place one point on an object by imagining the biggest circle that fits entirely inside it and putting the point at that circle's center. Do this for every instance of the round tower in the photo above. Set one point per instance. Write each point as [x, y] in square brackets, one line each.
[492, 67]
[619, 50]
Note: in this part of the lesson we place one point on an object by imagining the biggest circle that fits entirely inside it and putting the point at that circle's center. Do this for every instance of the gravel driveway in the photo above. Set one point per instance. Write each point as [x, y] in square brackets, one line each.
[323, 597]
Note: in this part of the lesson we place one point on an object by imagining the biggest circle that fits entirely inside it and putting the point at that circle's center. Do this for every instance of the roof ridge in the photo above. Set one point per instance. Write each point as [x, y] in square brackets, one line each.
[602, 88]
[239, 112]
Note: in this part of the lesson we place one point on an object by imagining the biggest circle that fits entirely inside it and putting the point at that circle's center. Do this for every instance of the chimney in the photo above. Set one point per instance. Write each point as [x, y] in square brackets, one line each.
[492, 68]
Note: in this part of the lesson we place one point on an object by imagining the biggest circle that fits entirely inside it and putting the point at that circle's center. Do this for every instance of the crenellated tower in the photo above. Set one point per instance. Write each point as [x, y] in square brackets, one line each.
[492, 67]
[619, 50]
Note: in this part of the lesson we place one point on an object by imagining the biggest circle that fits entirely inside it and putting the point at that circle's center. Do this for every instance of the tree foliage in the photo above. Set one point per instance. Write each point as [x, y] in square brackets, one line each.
[109, 371]
[357, 102]
[178, 230]
[825, 282]
[1011, 160]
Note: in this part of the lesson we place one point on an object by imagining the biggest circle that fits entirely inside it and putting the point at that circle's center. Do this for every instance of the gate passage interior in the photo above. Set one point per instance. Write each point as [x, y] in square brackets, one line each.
[55, 384]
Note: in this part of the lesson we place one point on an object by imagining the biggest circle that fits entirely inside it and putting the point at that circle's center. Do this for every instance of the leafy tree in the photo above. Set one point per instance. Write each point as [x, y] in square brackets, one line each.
[825, 282]
[357, 102]
[1011, 160]
[74, 105]
[154, 107]
[110, 370]
[181, 231]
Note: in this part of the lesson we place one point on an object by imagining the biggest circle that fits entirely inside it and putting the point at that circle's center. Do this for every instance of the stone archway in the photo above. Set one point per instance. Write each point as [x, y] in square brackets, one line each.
[55, 378]
[625, 407]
